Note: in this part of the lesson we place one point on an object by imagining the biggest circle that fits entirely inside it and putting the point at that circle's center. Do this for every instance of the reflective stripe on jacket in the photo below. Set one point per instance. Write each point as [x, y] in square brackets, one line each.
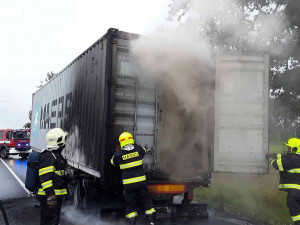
[52, 175]
[289, 170]
[57, 191]
[131, 165]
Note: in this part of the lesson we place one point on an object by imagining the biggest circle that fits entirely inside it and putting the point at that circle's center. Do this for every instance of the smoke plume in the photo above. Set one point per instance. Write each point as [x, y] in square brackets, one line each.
[84, 217]
[181, 59]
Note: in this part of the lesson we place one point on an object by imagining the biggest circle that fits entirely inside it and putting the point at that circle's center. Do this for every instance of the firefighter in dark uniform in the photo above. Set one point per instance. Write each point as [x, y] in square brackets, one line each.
[289, 169]
[53, 182]
[130, 161]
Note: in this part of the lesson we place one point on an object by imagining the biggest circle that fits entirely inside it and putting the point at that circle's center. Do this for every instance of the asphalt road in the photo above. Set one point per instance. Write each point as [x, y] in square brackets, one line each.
[21, 210]
[10, 187]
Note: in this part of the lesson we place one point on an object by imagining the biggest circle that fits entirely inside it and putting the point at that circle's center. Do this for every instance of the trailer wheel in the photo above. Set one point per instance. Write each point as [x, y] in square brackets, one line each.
[3, 153]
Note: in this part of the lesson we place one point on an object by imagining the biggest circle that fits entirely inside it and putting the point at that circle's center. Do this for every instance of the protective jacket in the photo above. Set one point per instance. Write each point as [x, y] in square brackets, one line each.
[52, 175]
[131, 164]
[289, 168]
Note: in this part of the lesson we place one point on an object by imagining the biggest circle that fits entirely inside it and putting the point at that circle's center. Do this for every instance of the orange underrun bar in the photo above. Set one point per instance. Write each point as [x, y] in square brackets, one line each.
[166, 188]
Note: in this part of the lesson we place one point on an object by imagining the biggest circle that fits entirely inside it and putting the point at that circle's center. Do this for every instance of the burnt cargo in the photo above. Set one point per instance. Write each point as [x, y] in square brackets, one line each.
[98, 96]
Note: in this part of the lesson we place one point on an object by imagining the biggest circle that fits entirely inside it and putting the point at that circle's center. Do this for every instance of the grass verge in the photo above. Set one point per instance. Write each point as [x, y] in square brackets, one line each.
[252, 196]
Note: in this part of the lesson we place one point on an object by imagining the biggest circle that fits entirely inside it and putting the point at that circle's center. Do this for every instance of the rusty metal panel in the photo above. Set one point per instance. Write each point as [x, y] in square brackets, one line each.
[241, 113]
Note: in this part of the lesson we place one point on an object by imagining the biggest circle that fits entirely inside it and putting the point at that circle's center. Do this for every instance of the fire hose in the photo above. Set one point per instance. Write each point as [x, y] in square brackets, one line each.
[4, 214]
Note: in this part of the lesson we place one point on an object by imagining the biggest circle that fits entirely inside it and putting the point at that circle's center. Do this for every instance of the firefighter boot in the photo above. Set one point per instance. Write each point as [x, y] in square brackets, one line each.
[132, 221]
[150, 219]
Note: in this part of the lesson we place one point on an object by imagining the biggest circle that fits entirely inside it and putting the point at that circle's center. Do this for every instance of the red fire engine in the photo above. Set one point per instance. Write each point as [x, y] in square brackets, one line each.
[14, 142]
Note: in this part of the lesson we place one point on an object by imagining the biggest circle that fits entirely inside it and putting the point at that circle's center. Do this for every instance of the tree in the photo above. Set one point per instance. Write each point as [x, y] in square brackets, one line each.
[28, 125]
[49, 76]
[265, 26]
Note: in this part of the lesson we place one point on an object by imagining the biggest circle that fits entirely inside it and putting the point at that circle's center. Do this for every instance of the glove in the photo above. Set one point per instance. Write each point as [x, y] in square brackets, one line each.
[271, 155]
[51, 201]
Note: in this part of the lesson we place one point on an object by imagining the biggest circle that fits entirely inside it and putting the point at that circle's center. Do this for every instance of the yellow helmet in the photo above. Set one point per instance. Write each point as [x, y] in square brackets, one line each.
[55, 138]
[294, 143]
[125, 139]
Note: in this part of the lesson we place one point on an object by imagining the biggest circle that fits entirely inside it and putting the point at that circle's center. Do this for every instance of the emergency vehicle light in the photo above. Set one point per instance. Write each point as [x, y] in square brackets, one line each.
[19, 144]
[166, 188]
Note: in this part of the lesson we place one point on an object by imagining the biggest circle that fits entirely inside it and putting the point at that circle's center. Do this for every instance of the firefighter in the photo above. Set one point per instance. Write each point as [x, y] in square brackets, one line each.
[289, 169]
[130, 161]
[53, 182]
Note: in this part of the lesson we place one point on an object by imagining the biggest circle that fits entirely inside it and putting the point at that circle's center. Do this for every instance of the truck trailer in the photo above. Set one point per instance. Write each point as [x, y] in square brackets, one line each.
[99, 95]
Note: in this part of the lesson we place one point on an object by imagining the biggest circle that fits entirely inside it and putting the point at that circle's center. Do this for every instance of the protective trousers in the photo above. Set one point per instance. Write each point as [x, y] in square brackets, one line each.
[293, 203]
[143, 195]
[50, 216]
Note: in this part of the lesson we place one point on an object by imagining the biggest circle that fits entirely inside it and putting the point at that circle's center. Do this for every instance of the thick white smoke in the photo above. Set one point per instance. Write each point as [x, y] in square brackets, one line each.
[182, 60]
[183, 67]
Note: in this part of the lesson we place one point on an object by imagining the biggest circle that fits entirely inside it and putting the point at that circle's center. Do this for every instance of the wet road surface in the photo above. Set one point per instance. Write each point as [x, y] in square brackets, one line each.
[10, 188]
[18, 166]
[22, 210]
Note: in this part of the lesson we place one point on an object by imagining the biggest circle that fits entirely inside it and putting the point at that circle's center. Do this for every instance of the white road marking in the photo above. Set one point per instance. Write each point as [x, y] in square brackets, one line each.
[17, 178]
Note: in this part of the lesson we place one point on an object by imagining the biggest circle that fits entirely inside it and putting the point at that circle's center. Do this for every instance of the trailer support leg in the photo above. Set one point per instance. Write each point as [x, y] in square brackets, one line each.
[188, 197]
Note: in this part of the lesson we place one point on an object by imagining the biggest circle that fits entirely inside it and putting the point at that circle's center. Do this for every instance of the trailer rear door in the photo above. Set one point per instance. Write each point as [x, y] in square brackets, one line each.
[241, 114]
[135, 102]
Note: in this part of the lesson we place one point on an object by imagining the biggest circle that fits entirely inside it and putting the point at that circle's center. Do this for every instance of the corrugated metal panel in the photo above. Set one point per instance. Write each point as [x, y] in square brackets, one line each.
[136, 97]
[75, 101]
[241, 114]
[102, 94]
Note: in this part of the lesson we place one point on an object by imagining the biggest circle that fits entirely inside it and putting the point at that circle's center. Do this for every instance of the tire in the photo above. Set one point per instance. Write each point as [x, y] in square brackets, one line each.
[3, 153]
[24, 156]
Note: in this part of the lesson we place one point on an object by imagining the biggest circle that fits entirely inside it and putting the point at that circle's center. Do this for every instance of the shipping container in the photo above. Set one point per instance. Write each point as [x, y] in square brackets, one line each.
[100, 94]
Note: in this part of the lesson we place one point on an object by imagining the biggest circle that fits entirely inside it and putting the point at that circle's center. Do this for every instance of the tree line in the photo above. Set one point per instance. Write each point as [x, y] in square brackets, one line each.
[281, 43]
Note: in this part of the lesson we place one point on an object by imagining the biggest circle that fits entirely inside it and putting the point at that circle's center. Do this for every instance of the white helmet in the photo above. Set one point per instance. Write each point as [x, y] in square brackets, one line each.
[55, 138]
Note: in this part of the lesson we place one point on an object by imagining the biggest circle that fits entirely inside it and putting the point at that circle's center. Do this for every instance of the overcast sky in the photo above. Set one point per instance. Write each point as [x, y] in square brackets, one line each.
[42, 36]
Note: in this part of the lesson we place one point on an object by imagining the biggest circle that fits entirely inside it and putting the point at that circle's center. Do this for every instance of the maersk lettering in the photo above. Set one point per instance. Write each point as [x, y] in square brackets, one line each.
[45, 118]
[53, 113]
[60, 111]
